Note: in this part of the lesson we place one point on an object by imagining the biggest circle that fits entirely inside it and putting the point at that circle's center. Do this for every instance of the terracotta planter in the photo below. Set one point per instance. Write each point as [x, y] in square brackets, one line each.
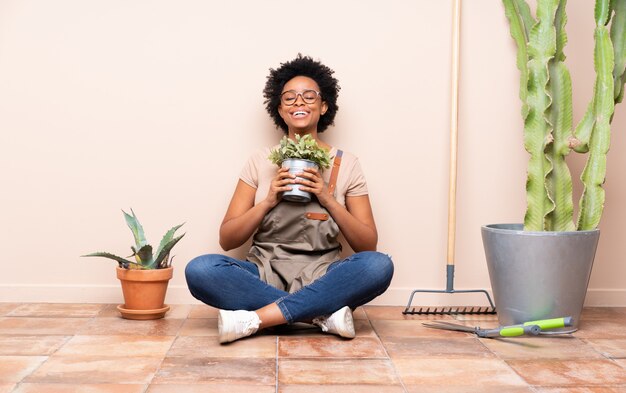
[144, 292]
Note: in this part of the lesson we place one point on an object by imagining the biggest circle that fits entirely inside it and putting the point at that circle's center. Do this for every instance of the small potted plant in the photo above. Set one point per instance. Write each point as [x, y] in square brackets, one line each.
[296, 155]
[144, 280]
[541, 269]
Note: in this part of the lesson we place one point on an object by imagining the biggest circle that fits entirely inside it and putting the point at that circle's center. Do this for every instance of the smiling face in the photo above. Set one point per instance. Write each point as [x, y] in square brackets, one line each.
[301, 117]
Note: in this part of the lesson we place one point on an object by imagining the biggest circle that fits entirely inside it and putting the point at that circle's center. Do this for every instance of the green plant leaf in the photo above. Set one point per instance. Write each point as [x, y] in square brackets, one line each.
[143, 256]
[135, 226]
[593, 175]
[559, 179]
[169, 235]
[165, 250]
[520, 23]
[560, 20]
[305, 148]
[584, 128]
[602, 11]
[537, 127]
[122, 261]
[618, 38]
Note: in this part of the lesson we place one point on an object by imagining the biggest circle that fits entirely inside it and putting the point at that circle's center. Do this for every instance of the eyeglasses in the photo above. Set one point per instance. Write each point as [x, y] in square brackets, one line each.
[290, 97]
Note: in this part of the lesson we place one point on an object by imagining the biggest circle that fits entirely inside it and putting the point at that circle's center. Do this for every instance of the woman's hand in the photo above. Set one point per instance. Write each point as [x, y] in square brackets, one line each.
[281, 183]
[311, 181]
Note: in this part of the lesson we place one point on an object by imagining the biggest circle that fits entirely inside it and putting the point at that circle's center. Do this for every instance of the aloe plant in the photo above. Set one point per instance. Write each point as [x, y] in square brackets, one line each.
[546, 95]
[305, 148]
[142, 251]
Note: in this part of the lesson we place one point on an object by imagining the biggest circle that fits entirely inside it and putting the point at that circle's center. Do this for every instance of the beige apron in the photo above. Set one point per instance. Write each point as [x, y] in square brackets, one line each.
[296, 242]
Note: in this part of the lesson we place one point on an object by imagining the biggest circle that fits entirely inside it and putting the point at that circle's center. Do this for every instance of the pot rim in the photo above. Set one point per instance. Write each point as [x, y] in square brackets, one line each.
[145, 274]
[518, 229]
[299, 159]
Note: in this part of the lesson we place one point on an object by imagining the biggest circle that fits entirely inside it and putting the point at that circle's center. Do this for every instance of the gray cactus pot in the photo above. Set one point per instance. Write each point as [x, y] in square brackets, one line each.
[297, 165]
[538, 275]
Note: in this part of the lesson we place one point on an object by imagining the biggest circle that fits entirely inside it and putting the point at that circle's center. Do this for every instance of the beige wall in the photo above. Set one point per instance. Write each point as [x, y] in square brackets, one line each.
[155, 105]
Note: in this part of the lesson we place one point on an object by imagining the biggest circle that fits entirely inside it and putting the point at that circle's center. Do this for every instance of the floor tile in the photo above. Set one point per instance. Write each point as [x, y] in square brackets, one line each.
[601, 329]
[30, 345]
[340, 388]
[199, 327]
[106, 346]
[78, 388]
[6, 387]
[450, 387]
[330, 346]
[199, 346]
[15, 368]
[89, 348]
[359, 313]
[235, 371]
[109, 311]
[569, 372]
[36, 326]
[336, 371]
[6, 308]
[96, 369]
[470, 372]
[477, 318]
[409, 347]
[607, 313]
[211, 388]
[203, 311]
[413, 328]
[611, 348]
[65, 310]
[543, 347]
[582, 389]
[121, 326]
[364, 328]
[395, 313]
[178, 311]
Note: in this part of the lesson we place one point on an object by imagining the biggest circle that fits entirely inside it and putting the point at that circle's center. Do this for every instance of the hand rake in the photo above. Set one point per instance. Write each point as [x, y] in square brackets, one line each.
[452, 194]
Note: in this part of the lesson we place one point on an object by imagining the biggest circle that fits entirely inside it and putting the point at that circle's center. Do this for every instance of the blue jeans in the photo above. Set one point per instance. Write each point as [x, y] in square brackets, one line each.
[230, 284]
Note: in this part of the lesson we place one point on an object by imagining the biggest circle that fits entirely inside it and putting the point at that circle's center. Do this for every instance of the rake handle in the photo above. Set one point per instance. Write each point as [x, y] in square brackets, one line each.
[454, 118]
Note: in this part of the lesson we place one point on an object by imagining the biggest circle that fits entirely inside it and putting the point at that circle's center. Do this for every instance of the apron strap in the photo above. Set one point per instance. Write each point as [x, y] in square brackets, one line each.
[332, 183]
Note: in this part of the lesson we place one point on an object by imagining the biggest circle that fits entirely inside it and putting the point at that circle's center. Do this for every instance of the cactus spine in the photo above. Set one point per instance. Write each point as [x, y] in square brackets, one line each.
[546, 94]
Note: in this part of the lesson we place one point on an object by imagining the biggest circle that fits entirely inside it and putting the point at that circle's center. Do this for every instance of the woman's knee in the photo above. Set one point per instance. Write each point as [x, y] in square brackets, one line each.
[385, 265]
[379, 266]
[202, 267]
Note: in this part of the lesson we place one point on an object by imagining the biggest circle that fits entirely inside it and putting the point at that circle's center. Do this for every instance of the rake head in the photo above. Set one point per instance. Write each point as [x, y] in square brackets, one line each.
[491, 309]
[449, 310]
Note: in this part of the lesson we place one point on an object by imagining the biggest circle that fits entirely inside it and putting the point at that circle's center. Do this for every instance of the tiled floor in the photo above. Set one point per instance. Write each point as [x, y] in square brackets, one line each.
[88, 348]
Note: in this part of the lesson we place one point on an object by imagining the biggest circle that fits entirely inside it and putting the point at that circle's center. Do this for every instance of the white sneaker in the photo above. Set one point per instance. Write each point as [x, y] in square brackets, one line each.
[233, 325]
[340, 323]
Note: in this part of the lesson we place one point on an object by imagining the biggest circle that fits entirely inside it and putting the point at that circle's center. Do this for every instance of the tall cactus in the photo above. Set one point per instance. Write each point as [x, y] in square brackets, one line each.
[546, 94]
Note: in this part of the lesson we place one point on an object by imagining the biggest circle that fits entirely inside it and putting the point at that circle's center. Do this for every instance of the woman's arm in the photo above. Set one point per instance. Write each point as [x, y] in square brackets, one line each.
[243, 217]
[355, 220]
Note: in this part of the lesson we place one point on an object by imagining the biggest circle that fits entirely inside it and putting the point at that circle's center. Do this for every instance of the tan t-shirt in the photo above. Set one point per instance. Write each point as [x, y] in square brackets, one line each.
[259, 171]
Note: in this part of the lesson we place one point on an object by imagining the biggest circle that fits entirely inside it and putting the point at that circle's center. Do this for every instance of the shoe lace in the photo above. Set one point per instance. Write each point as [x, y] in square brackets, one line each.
[322, 322]
[250, 325]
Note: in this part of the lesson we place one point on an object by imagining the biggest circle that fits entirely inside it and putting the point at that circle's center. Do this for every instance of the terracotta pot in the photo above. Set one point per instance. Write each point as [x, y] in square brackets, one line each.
[144, 292]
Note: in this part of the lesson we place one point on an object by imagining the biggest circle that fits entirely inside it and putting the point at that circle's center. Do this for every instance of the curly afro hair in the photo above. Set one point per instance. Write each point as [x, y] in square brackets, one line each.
[302, 66]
